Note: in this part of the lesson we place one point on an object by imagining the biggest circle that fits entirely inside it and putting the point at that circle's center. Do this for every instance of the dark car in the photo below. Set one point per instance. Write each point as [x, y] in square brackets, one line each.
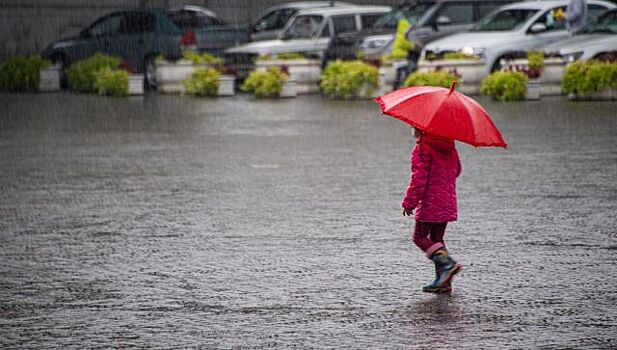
[204, 31]
[137, 36]
[430, 20]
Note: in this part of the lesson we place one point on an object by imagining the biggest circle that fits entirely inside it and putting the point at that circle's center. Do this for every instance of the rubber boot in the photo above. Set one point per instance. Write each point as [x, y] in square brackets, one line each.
[431, 288]
[445, 269]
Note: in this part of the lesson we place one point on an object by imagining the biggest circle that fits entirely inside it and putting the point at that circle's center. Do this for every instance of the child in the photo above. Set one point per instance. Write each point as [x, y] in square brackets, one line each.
[435, 165]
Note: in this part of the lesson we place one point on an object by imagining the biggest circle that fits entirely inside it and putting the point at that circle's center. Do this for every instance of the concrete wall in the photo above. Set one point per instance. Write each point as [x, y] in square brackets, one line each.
[27, 26]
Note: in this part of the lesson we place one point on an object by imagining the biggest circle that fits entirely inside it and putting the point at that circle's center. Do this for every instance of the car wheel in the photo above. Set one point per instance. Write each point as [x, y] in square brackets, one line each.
[150, 73]
[61, 60]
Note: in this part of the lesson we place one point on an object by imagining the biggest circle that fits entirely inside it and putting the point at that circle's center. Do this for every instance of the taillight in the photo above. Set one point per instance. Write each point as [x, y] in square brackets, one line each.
[188, 40]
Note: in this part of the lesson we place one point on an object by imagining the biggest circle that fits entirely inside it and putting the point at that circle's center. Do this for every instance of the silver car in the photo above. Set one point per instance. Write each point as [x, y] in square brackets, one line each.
[596, 41]
[272, 21]
[510, 30]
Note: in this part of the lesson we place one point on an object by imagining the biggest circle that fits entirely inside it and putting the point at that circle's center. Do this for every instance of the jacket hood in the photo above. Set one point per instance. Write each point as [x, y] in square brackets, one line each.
[441, 144]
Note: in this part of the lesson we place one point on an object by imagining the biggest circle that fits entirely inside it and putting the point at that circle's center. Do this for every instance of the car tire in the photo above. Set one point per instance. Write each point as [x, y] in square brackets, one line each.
[150, 73]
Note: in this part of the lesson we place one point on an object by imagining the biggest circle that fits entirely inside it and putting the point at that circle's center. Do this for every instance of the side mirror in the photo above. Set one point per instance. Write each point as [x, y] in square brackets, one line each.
[443, 20]
[538, 28]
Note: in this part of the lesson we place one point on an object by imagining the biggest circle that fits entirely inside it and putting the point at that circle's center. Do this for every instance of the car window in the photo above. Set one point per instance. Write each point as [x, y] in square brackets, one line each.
[412, 13]
[606, 23]
[344, 24]
[137, 23]
[368, 20]
[304, 27]
[286, 14]
[188, 20]
[107, 26]
[594, 11]
[325, 33]
[548, 19]
[268, 21]
[457, 13]
[505, 20]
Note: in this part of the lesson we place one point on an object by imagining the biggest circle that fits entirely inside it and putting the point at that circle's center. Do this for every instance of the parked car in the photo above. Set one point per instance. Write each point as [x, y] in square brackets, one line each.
[430, 20]
[204, 31]
[308, 33]
[136, 36]
[596, 41]
[272, 21]
[511, 29]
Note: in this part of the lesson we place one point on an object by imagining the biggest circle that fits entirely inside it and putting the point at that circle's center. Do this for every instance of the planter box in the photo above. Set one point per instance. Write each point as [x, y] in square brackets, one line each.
[305, 72]
[169, 74]
[136, 84]
[604, 95]
[532, 90]
[471, 72]
[290, 89]
[227, 85]
[550, 78]
[50, 79]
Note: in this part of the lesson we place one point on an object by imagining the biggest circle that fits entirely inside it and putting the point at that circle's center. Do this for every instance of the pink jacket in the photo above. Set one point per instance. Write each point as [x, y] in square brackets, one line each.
[435, 165]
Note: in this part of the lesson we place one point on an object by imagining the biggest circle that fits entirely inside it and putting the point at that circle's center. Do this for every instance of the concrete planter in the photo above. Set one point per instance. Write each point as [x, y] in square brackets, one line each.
[136, 84]
[607, 94]
[290, 89]
[305, 72]
[227, 85]
[532, 90]
[170, 74]
[49, 79]
[470, 72]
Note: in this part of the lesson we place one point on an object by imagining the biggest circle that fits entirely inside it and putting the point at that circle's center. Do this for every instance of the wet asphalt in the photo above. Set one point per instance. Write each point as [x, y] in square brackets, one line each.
[169, 222]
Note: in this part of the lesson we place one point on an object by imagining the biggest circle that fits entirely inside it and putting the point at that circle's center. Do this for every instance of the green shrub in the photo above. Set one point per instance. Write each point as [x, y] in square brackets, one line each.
[111, 82]
[265, 83]
[505, 86]
[282, 56]
[581, 77]
[344, 79]
[435, 78]
[401, 46]
[21, 73]
[459, 56]
[203, 82]
[82, 75]
[204, 58]
[536, 60]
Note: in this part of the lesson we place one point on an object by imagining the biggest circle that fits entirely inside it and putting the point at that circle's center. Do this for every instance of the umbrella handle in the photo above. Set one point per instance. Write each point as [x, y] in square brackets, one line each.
[452, 86]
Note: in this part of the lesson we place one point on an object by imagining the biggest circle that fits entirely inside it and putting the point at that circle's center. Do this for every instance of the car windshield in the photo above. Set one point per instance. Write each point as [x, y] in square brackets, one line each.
[412, 13]
[607, 23]
[304, 27]
[505, 20]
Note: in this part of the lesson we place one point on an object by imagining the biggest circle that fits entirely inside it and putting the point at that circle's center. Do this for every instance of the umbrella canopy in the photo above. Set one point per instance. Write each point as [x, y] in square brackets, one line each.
[442, 112]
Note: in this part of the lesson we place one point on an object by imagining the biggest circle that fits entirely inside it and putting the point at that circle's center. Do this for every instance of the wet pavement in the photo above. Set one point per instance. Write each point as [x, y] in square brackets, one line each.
[174, 222]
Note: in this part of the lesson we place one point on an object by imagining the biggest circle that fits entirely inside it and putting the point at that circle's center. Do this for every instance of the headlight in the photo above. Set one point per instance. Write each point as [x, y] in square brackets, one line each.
[473, 51]
[571, 57]
[374, 44]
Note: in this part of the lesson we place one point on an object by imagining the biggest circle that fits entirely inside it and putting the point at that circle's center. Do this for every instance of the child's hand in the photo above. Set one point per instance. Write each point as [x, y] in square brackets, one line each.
[407, 212]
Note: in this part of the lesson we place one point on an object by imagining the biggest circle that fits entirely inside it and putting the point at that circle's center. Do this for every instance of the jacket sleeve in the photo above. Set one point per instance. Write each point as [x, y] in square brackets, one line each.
[575, 10]
[420, 167]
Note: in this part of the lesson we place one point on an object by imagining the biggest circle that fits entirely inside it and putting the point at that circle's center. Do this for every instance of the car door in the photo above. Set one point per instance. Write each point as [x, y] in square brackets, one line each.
[450, 18]
[137, 38]
[554, 29]
[341, 24]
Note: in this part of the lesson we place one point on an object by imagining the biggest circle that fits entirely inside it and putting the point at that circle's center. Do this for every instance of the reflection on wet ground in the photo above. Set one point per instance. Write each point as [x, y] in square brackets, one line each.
[173, 222]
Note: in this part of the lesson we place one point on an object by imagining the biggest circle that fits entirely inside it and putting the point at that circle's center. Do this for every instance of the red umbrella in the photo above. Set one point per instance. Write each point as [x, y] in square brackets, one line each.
[442, 112]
